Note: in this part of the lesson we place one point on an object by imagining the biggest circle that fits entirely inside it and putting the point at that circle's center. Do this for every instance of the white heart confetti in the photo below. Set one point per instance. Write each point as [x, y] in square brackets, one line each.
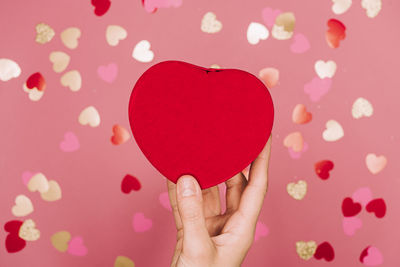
[142, 52]
[256, 32]
[8, 69]
[114, 34]
[333, 132]
[325, 69]
[362, 108]
[90, 116]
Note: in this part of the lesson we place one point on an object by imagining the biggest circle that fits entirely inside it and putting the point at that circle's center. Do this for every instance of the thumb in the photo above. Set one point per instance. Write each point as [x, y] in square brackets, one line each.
[190, 207]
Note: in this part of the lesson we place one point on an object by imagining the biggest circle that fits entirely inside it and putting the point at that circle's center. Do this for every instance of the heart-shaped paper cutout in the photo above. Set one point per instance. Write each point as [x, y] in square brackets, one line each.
[374, 163]
[60, 240]
[306, 250]
[322, 168]
[373, 7]
[130, 183]
[89, 116]
[44, 33]
[297, 190]
[350, 208]
[23, 206]
[28, 231]
[377, 206]
[60, 61]
[300, 114]
[38, 183]
[72, 79]
[13, 242]
[350, 225]
[324, 251]
[336, 32]
[70, 37]
[76, 247]
[54, 192]
[188, 119]
[120, 135]
[210, 24]
[114, 34]
[371, 256]
[141, 52]
[256, 32]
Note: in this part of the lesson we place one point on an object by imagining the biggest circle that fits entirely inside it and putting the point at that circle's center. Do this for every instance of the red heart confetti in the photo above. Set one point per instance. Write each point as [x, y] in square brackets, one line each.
[186, 119]
[101, 6]
[121, 135]
[130, 183]
[377, 206]
[335, 33]
[322, 168]
[13, 242]
[350, 208]
[325, 251]
[36, 80]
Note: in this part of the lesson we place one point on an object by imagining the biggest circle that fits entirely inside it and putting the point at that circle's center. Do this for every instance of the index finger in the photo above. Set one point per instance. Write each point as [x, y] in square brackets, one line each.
[254, 193]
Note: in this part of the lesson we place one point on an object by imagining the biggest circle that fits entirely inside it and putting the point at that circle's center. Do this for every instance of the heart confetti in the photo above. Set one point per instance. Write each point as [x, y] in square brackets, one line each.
[373, 7]
[377, 206]
[72, 79]
[269, 16]
[60, 61]
[297, 190]
[9, 69]
[270, 76]
[261, 230]
[210, 24]
[89, 116]
[60, 240]
[141, 223]
[325, 251]
[76, 247]
[120, 135]
[164, 200]
[108, 73]
[115, 34]
[325, 69]
[13, 242]
[317, 88]
[374, 163]
[38, 183]
[306, 250]
[101, 6]
[300, 114]
[256, 32]
[284, 26]
[341, 6]
[361, 108]
[350, 208]
[54, 192]
[350, 225]
[130, 183]
[362, 195]
[152, 5]
[44, 33]
[70, 142]
[23, 206]
[333, 132]
[70, 37]
[28, 231]
[371, 256]
[322, 168]
[122, 261]
[295, 141]
[35, 86]
[336, 32]
[300, 44]
[142, 52]
[296, 155]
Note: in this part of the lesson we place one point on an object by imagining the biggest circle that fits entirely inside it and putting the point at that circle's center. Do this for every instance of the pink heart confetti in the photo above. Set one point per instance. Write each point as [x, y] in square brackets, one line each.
[70, 142]
[141, 223]
[317, 88]
[261, 230]
[108, 73]
[350, 225]
[296, 155]
[26, 176]
[300, 44]
[362, 195]
[371, 256]
[164, 201]
[76, 246]
[269, 15]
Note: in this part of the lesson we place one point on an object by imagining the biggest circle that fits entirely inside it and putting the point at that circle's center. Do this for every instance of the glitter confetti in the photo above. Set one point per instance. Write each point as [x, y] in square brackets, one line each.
[44, 33]
[210, 24]
[297, 190]
[306, 250]
[284, 26]
[28, 231]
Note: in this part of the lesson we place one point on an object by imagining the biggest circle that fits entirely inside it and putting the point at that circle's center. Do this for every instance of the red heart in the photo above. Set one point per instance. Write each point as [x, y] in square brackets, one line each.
[120, 135]
[209, 123]
[13, 242]
[36, 80]
[130, 183]
[101, 6]
[377, 206]
[322, 168]
[335, 33]
[350, 208]
[324, 251]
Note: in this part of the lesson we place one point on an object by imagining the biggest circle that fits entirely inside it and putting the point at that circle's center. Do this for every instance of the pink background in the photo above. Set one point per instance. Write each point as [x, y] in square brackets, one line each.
[92, 204]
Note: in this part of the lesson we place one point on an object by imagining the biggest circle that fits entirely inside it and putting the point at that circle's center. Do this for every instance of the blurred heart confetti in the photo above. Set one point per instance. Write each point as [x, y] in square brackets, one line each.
[89, 116]
[210, 24]
[9, 69]
[256, 32]
[44, 33]
[70, 37]
[115, 34]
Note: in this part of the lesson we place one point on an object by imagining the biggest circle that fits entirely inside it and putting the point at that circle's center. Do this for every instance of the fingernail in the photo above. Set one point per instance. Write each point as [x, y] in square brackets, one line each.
[188, 187]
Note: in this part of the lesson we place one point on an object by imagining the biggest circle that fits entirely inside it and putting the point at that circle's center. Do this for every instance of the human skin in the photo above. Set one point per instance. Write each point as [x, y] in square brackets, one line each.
[205, 237]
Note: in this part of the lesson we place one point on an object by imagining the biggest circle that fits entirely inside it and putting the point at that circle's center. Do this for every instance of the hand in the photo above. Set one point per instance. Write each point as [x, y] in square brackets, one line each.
[205, 237]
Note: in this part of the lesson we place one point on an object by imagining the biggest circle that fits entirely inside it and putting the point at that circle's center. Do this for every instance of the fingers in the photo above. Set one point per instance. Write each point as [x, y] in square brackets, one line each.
[211, 202]
[234, 190]
[190, 207]
[174, 204]
[254, 193]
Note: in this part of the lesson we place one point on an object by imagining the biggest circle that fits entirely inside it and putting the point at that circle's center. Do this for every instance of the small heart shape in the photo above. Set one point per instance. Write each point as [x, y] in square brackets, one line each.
[325, 251]
[142, 52]
[297, 190]
[141, 223]
[333, 132]
[23, 206]
[108, 73]
[362, 195]
[322, 168]
[377, 206]
[122, 261]
[60, 240]
[9, 69]
[341, 6]
[152, 5]
[371, 256]
[297, 155]
[76, 247]
[72, 79]
[300, 114]
[89, 116]
[300, 44]
[26, 177]
[372, 7]
[101, 6]
[256, 32]
[114, 34]
[54, 192]
[120, 135]
[350, 208]
[261, 231]
[336, 32]
[295, 141]
[270, 76]
[28, 231]
[350, 225]
[317, 88]
[70, 142]
[13, 242]
[70, 37]
[325, 69]
[44, 33]
[210, 24]
[130, 183]
[39, 183]
[374, 163]
[60, 61]
[284, 26]
[269, 16]
[164, 201]
[306, 250]
[361, 108]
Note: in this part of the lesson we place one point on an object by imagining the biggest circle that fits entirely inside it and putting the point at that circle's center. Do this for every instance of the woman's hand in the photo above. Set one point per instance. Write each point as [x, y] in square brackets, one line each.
[206, 237]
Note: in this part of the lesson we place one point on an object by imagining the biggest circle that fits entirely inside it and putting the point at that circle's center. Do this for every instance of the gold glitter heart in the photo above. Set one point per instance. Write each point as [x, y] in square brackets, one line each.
[44, 33]
[306, 250]
[28, 231]
[284, 26]
[60, 240]
[297, 190]
[122, 261]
